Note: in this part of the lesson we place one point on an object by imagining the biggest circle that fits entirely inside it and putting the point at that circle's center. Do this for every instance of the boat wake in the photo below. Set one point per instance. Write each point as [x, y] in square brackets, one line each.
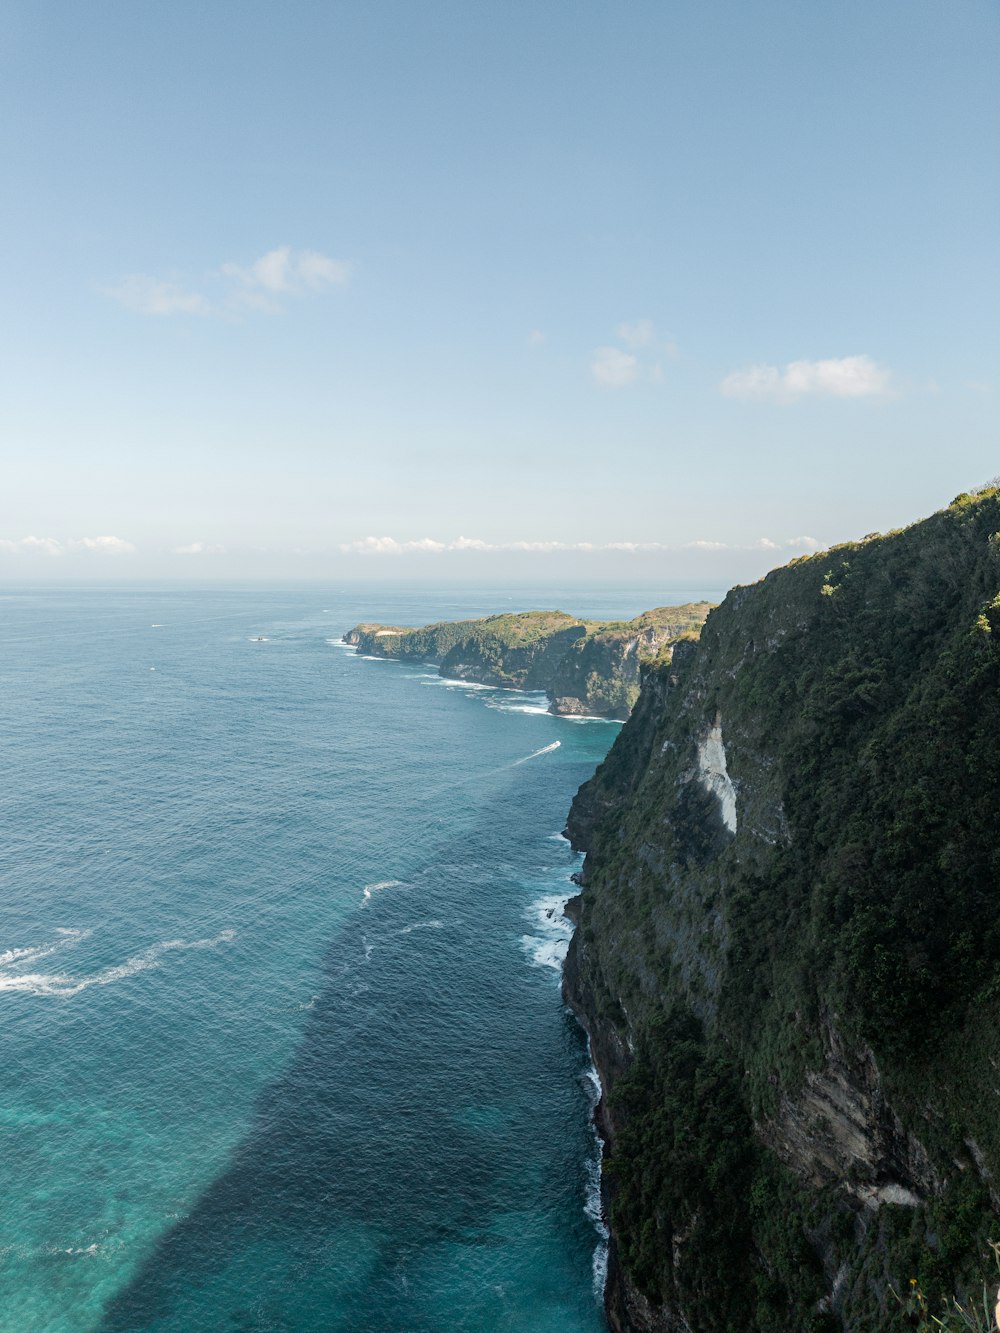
[546, 749]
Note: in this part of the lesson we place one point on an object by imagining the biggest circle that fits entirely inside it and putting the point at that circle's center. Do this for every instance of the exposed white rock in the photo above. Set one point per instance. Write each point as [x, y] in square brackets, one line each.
[899, 1194]
[714, 777]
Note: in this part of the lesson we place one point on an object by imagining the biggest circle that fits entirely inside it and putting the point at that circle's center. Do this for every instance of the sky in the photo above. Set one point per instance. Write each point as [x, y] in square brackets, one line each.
[671, 289]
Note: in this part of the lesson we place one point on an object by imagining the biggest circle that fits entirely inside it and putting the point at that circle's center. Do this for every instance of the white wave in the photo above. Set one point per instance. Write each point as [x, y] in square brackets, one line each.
[593, 1205]
[558, 837]
[546, 749]
[339, 643]
[421, 925]
[465, 684]
[382, 884]
[594, 1084]
[546, 953]
[599, 1268]
[61, 984]
[28, 953]
[156, 625]
[588, 717]
[553, 930]
[507, 706]
[24, 955]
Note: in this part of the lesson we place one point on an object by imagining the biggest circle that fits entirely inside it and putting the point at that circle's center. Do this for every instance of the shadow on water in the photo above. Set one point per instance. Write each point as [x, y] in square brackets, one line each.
[432, 1092]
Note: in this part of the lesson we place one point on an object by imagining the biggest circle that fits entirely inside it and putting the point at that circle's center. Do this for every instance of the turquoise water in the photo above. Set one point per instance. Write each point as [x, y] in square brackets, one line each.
[282, 1040]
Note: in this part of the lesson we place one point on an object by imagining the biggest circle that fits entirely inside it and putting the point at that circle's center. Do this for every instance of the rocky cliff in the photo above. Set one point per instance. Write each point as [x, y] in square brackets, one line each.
[585, 667]
[788, 949]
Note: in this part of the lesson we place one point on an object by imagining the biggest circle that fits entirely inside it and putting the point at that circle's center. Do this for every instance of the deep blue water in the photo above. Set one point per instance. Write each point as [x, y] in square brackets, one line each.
[281, 1033]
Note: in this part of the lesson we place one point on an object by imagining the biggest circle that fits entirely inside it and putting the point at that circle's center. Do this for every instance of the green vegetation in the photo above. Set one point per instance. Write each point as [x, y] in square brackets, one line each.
[848, 933]
[975, 1315]
[584, 666]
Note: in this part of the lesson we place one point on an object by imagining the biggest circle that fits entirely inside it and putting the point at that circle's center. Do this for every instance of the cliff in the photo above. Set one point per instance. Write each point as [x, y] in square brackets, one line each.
[585, 667]
[788, 949]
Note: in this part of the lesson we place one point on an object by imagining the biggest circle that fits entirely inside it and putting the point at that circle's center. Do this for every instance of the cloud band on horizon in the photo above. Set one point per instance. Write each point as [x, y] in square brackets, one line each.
[429, 546]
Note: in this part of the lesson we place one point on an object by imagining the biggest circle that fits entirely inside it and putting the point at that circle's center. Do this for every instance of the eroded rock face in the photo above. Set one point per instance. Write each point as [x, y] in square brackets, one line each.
[788, 912]
[839, 1129]
[713, 774]
[587, 668]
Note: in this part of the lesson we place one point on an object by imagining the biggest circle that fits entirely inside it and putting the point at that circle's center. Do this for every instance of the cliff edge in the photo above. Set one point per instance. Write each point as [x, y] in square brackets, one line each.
[585, 667]
[788, 949]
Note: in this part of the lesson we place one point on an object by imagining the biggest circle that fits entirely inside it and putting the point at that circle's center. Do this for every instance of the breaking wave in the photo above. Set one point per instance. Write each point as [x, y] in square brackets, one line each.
[552, 931]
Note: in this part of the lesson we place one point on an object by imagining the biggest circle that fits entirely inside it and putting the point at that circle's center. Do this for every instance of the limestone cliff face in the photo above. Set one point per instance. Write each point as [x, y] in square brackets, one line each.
[585, 667]
[788, 950]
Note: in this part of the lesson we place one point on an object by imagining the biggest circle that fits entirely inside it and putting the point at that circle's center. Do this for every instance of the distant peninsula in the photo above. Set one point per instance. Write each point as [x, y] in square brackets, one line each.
[586, 667]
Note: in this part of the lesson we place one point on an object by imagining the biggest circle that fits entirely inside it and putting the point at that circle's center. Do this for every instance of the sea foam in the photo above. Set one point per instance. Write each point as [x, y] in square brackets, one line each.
[546, 946]
[378, 887]
[510, 706]
[593, 1204]
[421, 925]
[66, 986]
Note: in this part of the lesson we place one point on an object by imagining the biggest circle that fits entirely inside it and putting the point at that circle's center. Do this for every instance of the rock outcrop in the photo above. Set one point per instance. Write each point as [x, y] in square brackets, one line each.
[585, 667]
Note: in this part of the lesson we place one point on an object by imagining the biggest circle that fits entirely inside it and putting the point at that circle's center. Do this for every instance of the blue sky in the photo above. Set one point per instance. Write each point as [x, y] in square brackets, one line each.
[547, 289]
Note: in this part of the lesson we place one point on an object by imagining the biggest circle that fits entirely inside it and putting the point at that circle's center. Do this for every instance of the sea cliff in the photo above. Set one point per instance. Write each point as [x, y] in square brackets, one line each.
[585, 667]
[787, 955]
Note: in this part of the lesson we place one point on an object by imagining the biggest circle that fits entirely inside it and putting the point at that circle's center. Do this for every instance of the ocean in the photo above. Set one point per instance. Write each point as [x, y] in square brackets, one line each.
[280, 943]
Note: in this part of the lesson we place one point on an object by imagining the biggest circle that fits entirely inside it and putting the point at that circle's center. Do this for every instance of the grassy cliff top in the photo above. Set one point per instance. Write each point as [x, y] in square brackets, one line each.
[513, 628]
[673, 619]
[518, 628]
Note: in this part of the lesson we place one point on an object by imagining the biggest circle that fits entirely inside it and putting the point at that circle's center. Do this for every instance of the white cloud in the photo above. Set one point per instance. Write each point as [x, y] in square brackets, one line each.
[270, 271]
[638, 334]
[153, 296]
[103, 545]
[199, 548]
[837, 377]
[318, 271]
[389, 546]
[374, 546]
[470, 544]
[284, 272]
[761, 544]
[428, 545]
[639, 357]
[614, 369]
[30, 546]
[535, 338]
[51, 546]
[235, 288]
